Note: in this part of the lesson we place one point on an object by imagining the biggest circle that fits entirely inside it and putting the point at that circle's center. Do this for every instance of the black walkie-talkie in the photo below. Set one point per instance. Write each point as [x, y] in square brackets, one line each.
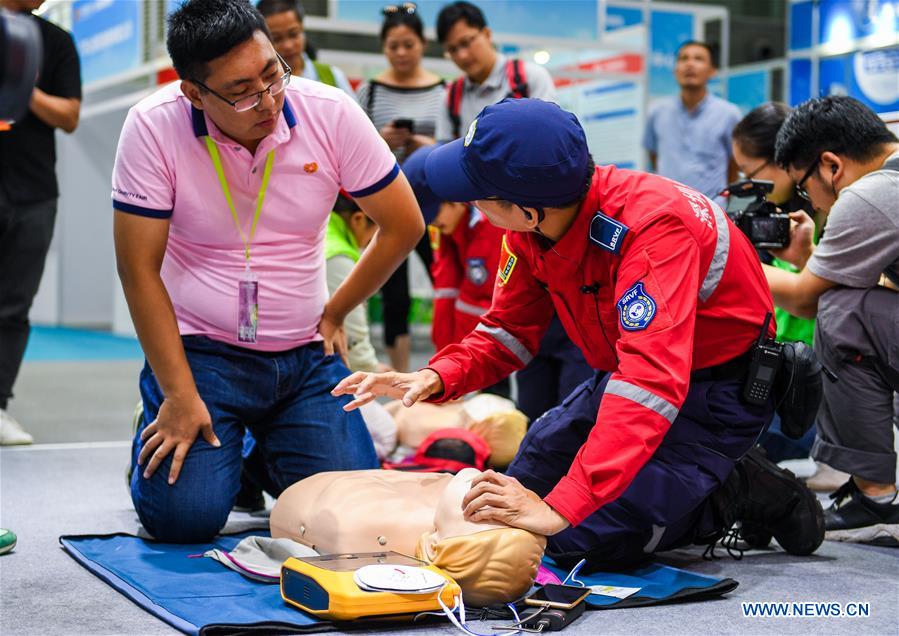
[767, 356]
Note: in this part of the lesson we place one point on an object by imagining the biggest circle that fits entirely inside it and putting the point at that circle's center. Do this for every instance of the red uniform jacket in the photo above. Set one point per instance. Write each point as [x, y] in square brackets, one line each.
[651, 281]
[464, 269]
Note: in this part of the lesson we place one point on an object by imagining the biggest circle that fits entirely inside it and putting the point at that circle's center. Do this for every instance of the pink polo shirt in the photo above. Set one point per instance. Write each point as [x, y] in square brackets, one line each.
[323, 142]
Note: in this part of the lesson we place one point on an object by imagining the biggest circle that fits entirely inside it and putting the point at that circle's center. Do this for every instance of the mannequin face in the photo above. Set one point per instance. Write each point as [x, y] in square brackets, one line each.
[448, 519]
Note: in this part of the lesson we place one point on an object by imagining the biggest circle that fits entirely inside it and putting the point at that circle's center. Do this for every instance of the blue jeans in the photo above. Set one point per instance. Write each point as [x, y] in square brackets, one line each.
[778, 447]
[283, 398]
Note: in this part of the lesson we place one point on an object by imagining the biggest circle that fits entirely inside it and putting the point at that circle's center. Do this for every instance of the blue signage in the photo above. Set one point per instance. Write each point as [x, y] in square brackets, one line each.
[622, 17]
[801, 25]
[108, 36]
[750, 89]
[800, 81]
[872, 77]
[563, 19]
[668, 31]
[840, 23]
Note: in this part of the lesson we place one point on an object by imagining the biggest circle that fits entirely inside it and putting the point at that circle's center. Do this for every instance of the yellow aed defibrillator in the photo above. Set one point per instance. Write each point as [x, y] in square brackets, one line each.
[367, 585]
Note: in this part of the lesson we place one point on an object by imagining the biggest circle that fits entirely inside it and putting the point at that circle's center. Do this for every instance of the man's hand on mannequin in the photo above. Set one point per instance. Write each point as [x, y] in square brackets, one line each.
[408, 387]
[175, 429]
[498, 498]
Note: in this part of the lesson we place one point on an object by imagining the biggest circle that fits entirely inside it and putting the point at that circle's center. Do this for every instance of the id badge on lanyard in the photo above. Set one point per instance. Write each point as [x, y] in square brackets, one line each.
[248, 285]
[248, 306]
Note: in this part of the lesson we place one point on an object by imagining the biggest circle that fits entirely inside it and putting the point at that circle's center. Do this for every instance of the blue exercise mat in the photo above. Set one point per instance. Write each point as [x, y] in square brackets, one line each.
[200, 596]
[657, 584]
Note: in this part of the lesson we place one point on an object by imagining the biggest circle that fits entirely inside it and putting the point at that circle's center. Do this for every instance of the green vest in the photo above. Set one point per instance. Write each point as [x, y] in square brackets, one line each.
[325, 74]
[789, 327]
[339, 240]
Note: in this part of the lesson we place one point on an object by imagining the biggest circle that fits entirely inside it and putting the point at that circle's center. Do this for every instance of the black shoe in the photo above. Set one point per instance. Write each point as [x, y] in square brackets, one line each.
[754, 536]
[768, 500]
[249, 499]
[856, 518]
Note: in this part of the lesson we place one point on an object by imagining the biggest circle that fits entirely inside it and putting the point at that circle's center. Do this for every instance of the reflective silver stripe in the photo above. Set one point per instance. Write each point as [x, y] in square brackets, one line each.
[508, 341]
[657, 532]
[642, 397]
[471, 310]
[446, 292]
[719, 259]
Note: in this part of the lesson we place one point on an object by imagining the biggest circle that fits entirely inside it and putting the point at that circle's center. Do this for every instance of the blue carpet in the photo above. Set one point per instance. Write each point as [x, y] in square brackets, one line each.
[200, 596]
[61, 344]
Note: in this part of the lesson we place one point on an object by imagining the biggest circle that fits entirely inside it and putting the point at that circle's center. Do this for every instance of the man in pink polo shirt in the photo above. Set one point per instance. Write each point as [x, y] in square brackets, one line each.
[222, 188]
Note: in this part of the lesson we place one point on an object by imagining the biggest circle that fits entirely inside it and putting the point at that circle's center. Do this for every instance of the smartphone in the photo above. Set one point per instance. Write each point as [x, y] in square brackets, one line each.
[563, 597]
[408, 124]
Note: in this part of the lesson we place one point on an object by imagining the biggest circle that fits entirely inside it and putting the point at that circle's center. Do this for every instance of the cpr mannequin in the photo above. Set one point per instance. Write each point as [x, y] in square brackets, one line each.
[417, 514]
[492, 417]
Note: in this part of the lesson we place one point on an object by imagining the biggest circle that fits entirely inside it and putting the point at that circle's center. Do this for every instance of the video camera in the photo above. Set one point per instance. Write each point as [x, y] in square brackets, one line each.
[759, 219]
[20, 55]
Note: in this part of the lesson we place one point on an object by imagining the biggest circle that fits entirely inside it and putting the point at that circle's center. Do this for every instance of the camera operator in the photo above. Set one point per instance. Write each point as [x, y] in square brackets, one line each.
[753, 151]
[845, 161]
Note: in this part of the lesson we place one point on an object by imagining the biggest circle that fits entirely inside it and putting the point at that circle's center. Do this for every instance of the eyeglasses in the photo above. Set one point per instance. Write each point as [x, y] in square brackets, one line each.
[406, 7]
[252, 101]
[463, 44]
[800, 189]
[750, 175]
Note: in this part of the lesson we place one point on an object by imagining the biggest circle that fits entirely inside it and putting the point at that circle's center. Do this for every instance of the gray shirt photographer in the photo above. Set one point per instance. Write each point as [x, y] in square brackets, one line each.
[861, 239]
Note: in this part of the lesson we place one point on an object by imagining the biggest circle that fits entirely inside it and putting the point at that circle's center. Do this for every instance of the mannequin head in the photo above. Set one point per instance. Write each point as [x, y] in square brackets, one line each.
[492, 563]
[491, 566]
[503, 432]
[492, 417]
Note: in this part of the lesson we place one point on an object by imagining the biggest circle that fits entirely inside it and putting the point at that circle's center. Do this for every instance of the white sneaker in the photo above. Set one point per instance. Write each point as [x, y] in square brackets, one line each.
[11, 432]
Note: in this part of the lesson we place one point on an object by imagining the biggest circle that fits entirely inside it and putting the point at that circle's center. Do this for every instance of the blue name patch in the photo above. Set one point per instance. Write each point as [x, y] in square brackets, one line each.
[636, 308]
[607, 232]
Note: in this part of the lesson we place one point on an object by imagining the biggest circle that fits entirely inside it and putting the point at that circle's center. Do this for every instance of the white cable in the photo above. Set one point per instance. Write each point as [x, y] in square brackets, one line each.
[573, 572]
[511, 606]
[459, 604]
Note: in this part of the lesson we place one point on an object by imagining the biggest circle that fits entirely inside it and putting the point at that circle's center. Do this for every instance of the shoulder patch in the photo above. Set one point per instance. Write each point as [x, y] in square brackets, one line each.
[607, 232]
[507, 261]
[476, 270]
[471, 130]
[636, 308]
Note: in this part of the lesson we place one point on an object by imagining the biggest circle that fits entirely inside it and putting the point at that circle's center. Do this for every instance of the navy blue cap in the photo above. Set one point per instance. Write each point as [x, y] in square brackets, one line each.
[414, 169]
[526, 151]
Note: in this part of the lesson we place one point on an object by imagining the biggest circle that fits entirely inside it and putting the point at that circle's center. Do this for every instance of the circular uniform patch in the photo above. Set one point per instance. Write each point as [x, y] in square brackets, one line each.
[636, 308]
[477, 271]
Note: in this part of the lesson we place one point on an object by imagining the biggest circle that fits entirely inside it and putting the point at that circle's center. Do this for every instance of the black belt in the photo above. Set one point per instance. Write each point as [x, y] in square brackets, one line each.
[735, 369]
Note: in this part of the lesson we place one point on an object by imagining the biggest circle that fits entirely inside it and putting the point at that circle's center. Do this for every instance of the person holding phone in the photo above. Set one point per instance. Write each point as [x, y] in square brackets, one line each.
[403, 102]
